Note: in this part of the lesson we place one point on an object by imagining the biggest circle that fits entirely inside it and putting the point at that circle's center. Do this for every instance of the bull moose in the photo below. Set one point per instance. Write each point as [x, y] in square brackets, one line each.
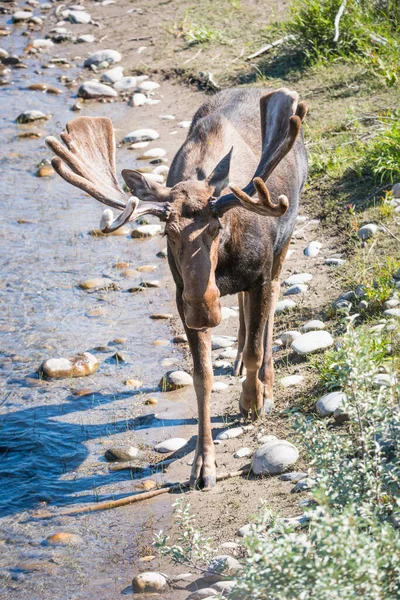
[223, 238]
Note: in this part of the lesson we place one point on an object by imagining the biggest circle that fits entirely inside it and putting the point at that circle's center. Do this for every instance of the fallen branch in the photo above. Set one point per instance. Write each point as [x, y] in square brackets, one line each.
[268, 47]
[339, 15]
[165, 489]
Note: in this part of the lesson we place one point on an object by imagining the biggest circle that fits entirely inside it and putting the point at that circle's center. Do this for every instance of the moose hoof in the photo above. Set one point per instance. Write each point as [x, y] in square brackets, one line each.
[268, 405]
[202, 477]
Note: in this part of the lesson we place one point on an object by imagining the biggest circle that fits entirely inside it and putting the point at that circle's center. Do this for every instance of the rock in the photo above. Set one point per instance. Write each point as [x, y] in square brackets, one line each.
[202, 594]
[219, 386]
[148, 87]
[101, 56]
[180, 339]
[396, 190]
[229, 353]
[312, 325]
[312, 342]
[134, 383]
[328, 403]
[303, 485]
[80, 365]
[86, 38]
[221, 341]
[313, 249]
[79, 17]
[153, 153]
[337, 262]
[21, 15]
[289, 336]
[171, 445]
[138, 99]
[284, 306]
[45, 171]
[383, 380]
[145, 231]
[274, 457]
[226, 313]
[291, 380]
[244, 531]
[392, 312]
[97, 283]
[221, 567]
[147, 268]
[160, 316]
[42, 44]
[185, 124]
[242, 453]
[94, 89]
[267, 438]
[340, 415]
[391, 303]
[126, 84]
[175, 380]
[76, 107]
[294, 476]
[148, 582]
[367, 231]
[64, 539]
[141, 135]
[300, 288]
[224, 587]
[299, 278]
[113, 75]
[228, 434]
[123, 454]
[29, 116]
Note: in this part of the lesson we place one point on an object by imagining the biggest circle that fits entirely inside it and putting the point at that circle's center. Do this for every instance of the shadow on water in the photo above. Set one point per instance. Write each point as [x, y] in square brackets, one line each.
[38, 451]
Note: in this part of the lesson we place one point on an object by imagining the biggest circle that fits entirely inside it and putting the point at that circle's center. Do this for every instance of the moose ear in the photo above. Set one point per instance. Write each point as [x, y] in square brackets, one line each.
[143, 188]
[219, 178]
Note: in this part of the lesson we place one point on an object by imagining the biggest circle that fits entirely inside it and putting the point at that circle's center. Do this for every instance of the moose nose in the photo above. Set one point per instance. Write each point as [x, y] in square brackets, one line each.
[201, 314]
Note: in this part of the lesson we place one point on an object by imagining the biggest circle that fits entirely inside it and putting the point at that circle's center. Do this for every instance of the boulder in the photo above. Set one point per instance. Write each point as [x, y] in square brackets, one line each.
[274, 457]
[312, 342]
[94, 89]
[328, 403]
[222, 567]
[109, 56]
[171, 445]
[148, 582]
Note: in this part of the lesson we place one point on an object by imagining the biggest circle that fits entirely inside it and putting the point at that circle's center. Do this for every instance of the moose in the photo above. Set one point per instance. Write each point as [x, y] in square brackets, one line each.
[223, 238]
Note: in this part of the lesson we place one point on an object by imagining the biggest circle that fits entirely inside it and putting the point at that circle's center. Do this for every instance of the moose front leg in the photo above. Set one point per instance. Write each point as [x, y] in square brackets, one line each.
[258, 306]
[204, 465]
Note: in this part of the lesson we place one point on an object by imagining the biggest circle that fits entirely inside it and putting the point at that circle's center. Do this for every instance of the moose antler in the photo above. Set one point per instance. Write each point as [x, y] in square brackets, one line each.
[87, 161]
[281, 118]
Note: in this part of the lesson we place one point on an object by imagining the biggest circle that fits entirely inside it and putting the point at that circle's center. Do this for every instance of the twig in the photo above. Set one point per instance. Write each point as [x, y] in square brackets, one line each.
[193, 57]
[339, 15]
[168, 487]
[389, 232]
[240, 55]
[140, 38]
[268, 47]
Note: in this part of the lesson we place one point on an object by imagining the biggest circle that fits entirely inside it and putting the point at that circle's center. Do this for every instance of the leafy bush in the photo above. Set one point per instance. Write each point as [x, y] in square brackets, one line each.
[350, 547]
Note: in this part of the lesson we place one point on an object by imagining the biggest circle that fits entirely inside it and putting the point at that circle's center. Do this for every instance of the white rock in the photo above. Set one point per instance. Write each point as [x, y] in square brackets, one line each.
[298, 279]
[274, 457]
[396, 190]
[21, 15]
[185, 124]
[367, 231]
[171, 445]
[109, 56]
[300, 288]
[167, 117]
[79, 17]
[391, 303]
[267, 438]
[42, 43]
[301, 218]
[80, 365]
[202, 594]
[290, 252]
[289, 336]
[145, 231]
[94, 89]
[175, 380]
[312, 342]
[141, 135]
[242, 452]
[312, 325]
[328, 403]
[392, 312]
[291, 380]
[229, 353]
[244, 531]
[148, 87]
[126, 84]
[336, 262]
[294, 476]
[218, 386]
[148, 582]
[113, 75]
[138, 99]
[86, 38]
[283, 306]
[313, 249]
[228, 434]
[221, 567]
[153, 153]
[221, 341]
[227, 312]
[225, 587]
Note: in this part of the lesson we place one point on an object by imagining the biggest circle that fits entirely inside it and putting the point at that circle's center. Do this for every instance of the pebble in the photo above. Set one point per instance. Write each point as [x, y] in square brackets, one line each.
[94, 89]
[274, 457]
[141, 135]
[244, 531]
[29, 116]
[97, 283]
[167, 117]
[148, 87]
[219, 386]
[138, 99]
[153, 153]
[222, 341]
[367, 231]
[42, 43]
[64, 539]
[101, 56]
[299, 278]
[86, 38]
[202, 594]
[312, 325]
[294, 476]
[391, 303]
[284, 306]
[175, 380]
[291, 380]
[303, 485]
[79, 17]
[113, 75]
[242, 452]
[313, 249]
[263, 439]
[134, 383]
[148, 582]
[80, 365]
[312, 342]
[171, 445]
[184, 124]
[289, 336]
[337, 262]
[300, 288]
[221, 567]
[21, 15]
[123, 454]
[126, 84]
[145, 231]
[392, 312]
[45, 171]
[160, 316]
[229, 353]
[383, 380]
[229, 434]
[328, 403]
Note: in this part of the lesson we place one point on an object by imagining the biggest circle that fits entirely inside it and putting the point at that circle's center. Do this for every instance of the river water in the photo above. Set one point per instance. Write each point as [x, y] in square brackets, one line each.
[52, 441]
